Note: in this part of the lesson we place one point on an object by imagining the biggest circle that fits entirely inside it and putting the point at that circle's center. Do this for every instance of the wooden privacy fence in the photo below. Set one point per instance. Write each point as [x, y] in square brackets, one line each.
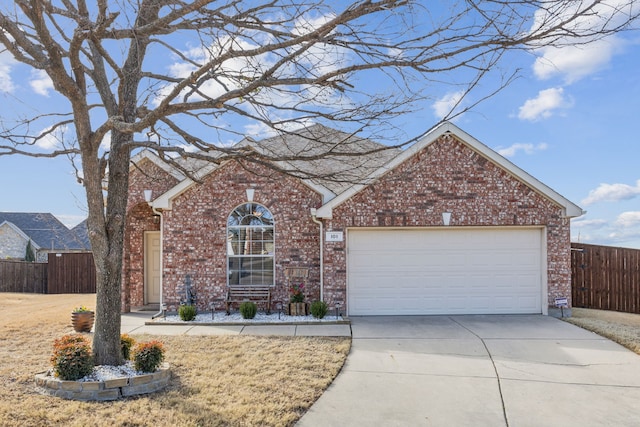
[71, 273]
[605, 278]
[22, 276]
[65, 273]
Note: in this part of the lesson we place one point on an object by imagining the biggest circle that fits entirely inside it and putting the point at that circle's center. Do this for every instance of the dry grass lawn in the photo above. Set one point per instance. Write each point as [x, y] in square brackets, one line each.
[623, 328]
[217, 381]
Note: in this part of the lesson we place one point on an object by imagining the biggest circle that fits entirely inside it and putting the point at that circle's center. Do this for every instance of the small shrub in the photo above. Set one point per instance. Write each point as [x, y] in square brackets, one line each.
[248, 310]
[187, 312]
[318, 309]
[126, 342]
[296, 293]
[72, 358]
[148, 356]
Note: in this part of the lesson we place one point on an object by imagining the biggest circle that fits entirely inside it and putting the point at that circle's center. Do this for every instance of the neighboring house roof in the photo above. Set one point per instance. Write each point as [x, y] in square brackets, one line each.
[45, 231]
[571, 210]
[81, 231]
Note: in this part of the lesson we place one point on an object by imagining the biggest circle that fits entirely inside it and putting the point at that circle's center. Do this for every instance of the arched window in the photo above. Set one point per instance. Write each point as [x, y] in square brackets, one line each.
[250, 245]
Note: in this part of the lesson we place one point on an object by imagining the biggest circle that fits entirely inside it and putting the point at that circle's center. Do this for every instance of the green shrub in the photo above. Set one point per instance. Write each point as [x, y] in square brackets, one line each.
[72, 358]
[319, 309]
[126, 342]
[248, 310]
[187, 312]
[148, 356]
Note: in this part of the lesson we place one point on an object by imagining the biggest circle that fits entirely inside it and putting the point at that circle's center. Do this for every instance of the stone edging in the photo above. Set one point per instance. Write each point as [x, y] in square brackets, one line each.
[104, 390]
[214, 323]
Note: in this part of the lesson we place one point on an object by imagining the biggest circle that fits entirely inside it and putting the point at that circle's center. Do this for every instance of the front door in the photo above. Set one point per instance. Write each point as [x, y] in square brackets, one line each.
[152, 268]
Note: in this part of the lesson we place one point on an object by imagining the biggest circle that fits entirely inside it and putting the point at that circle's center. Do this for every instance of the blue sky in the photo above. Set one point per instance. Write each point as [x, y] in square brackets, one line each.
[571, 120]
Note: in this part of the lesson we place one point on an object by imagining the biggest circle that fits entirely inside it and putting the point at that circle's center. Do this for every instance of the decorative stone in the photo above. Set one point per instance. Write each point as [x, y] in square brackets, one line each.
[104, 390]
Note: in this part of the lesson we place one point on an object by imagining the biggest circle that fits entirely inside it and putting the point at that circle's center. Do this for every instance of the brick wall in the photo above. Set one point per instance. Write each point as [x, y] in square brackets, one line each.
[140, 218]
[448, 176]
[195, 232]
[195, 236]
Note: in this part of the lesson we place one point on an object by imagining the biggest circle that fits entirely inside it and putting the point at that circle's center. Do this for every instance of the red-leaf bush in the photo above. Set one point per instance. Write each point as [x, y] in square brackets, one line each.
[148, 356]
[72, 358]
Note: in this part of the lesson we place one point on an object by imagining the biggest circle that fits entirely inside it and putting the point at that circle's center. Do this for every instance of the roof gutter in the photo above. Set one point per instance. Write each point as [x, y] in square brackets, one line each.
[162, 308]
[320, 223]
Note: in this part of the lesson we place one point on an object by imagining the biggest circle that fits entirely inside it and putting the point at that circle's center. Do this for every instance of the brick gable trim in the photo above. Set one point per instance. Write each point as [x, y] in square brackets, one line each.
[570, 210]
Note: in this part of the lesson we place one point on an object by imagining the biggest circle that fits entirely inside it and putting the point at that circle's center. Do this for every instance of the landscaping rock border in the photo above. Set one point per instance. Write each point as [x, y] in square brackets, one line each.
[107, 390]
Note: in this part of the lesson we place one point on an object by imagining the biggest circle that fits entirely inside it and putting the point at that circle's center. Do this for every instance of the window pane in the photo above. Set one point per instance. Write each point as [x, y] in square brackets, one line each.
[250, 214]
[250, 245]
[251, 270]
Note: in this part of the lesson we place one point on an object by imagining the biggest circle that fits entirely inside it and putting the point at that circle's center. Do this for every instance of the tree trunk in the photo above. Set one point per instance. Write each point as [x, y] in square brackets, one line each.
[108, 257]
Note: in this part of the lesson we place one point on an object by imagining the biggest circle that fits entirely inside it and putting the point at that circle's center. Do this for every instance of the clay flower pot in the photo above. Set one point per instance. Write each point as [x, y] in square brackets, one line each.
[82, 321]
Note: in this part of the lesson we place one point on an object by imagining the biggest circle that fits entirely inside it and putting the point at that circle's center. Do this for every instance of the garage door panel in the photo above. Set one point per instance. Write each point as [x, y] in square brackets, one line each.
[457, 271]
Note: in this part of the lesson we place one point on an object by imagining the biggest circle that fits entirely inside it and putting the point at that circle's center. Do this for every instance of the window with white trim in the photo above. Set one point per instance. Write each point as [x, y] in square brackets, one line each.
[250, 245]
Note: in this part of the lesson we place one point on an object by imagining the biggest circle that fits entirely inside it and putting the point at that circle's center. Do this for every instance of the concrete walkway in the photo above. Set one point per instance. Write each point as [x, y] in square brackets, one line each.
[480, 371]
[135, 323]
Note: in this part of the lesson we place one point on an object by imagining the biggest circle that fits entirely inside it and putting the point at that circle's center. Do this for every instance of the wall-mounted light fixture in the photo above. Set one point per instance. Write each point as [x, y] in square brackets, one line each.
[446, 218]
[250, 192]
[147, 195]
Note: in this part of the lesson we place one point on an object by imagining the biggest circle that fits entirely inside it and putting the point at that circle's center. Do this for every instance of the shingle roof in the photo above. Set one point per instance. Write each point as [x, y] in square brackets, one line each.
[328, 160]
[329, 157]
[46, 231]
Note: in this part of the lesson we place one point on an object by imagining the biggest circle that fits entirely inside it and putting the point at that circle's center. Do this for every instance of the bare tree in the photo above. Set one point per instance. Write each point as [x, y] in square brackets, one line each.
[274, 65]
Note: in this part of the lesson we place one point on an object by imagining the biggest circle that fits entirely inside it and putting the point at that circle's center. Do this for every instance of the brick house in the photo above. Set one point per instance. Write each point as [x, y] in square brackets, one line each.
[446, 226]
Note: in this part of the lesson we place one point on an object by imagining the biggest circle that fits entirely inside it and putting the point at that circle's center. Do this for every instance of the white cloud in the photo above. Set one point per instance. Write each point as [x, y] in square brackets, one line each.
[236, 72]
[448, 104]
[623, 231]
[612, 193]
[105, 144]
[50, 140]
[575, 62]
[70, 221]
[588, 223]
[543, 106]
[629, 219]
[529, 149]
[574, 58]
[40, 82]
[6, 63]
[626, 237]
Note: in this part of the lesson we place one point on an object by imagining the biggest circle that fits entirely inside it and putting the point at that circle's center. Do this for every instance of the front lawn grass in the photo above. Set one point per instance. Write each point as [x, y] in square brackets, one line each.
[217, 380]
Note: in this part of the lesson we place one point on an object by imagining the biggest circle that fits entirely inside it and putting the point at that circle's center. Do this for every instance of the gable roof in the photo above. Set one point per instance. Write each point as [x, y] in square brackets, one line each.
[571, 210]
[327, 160]
[81, 231]
[45, 230]
[328, 157]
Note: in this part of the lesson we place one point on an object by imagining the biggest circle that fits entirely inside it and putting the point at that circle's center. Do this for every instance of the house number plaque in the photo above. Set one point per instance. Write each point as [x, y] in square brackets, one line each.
[334, 236]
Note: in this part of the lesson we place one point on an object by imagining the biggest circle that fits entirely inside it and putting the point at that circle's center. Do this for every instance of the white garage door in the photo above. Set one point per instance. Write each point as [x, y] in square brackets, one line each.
[444, 271]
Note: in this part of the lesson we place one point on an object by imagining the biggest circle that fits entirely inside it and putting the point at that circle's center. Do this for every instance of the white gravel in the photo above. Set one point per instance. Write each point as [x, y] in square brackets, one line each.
[221, 317]
[106, 372]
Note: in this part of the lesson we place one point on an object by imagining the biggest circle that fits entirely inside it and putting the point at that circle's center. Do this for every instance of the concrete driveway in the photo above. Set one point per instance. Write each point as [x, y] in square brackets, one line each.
[480, 371]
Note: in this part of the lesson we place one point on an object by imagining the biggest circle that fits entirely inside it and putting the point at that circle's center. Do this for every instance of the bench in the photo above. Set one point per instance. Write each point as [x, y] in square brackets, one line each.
[242, 293]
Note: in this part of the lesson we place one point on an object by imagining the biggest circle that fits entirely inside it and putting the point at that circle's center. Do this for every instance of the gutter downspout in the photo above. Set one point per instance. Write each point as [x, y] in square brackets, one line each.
[162, 309]
[315, 219]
